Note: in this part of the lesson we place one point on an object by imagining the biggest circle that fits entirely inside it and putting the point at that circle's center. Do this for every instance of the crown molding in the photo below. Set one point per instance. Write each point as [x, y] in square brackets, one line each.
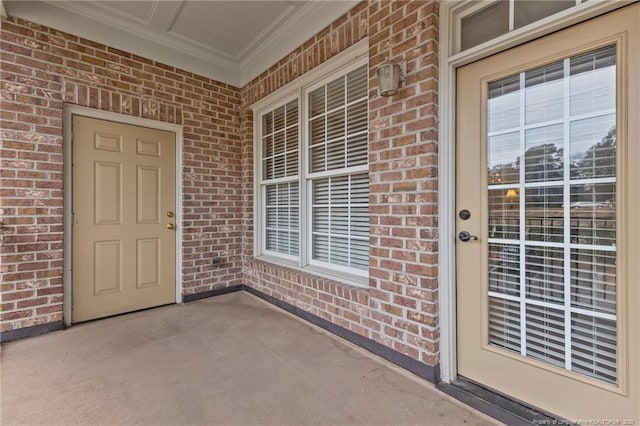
[135, 26]
[53, 16]
[102, 24]
[259, 39]
[304, 24]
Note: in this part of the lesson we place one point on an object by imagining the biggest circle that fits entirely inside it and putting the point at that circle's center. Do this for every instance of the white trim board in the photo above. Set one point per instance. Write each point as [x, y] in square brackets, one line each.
[335, 64]
[451, 12]
[304, 25]
[69, 112]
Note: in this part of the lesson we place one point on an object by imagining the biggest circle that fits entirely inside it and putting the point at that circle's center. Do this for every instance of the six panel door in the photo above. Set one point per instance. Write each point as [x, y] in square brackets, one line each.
[123, 206]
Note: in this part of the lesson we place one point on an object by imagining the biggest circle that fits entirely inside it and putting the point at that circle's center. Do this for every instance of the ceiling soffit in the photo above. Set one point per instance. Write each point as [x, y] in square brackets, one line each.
[229, 41]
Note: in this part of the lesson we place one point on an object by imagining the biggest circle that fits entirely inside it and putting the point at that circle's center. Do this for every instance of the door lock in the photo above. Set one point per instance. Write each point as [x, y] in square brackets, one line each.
[171, 226]
[466, 236]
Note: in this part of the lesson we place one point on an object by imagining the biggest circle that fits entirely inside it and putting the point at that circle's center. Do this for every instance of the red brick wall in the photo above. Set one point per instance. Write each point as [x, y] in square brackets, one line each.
[399, 308]
[403, 159]
[43, 68]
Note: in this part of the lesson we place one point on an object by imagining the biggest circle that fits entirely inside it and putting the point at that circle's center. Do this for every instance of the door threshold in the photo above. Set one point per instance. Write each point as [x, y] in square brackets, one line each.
[120, 314]
[496, 405]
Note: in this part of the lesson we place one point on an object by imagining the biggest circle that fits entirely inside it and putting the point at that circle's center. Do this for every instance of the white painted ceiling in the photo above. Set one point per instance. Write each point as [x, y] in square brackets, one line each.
[232, 41]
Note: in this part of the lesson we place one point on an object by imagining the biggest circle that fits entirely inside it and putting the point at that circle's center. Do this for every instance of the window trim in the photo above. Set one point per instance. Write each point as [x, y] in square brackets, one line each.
[344, 62]
[454, 11]
[260, 185]
[309, 177]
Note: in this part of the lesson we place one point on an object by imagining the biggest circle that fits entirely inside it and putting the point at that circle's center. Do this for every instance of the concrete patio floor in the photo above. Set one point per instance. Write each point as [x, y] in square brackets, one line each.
[228, 360]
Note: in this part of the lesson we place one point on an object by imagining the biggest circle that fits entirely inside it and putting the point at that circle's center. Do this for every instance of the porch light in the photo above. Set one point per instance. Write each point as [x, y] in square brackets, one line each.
[390, 75]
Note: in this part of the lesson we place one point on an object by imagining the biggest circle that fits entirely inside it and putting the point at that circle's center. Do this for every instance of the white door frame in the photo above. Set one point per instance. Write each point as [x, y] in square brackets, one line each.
[69, 112]
[451, 12]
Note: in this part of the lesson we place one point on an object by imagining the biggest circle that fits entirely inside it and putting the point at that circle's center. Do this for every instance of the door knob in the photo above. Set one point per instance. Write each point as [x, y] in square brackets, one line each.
[466, 236]
[171, 226]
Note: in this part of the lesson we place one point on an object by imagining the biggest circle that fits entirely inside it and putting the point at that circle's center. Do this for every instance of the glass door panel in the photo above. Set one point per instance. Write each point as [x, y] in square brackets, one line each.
[551, 156]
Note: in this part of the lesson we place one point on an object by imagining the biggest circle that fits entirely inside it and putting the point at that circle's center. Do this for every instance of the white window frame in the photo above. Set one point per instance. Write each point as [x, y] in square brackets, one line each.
[309, 177]
[344, 62]
[262, 186]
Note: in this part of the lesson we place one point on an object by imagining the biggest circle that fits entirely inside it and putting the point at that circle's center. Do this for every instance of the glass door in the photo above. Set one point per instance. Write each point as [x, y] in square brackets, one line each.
[551, 165]
[547, 248]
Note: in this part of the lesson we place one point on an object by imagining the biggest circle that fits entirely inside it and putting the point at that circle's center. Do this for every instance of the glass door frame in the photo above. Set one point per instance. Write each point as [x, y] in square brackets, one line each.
[451, 12]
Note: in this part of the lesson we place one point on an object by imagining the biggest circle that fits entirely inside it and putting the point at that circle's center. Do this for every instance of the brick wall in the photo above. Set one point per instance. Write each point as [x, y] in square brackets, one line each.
[399, 308]
[41, 70]
[403, 162]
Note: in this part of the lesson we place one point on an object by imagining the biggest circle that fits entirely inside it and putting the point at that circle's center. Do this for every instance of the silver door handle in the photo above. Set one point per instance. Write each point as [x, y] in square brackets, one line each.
[466, 236]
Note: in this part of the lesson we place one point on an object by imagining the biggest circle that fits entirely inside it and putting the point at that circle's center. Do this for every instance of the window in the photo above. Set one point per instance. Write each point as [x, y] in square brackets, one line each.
[337, 171]
[312, 197]
[488, 20]
[552, 244]
[280, 157]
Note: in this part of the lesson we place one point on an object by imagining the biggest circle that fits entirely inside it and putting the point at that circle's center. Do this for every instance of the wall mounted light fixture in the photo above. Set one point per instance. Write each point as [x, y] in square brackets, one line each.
[390, 75]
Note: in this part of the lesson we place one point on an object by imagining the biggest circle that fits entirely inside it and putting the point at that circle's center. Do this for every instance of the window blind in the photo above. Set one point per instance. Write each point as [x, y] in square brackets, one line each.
[338, 123]
[340, 222]
[282, 218]
[338, 144]
[280, 148]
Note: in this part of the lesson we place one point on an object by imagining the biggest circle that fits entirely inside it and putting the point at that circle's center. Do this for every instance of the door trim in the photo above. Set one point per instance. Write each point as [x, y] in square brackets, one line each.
[69, 112]
[450, 13]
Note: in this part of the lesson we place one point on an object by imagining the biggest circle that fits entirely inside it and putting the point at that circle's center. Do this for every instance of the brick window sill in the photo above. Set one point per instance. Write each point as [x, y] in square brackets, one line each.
[317, 272]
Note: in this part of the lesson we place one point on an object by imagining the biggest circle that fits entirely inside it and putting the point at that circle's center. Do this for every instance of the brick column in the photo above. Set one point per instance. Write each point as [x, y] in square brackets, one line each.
[403, 158]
